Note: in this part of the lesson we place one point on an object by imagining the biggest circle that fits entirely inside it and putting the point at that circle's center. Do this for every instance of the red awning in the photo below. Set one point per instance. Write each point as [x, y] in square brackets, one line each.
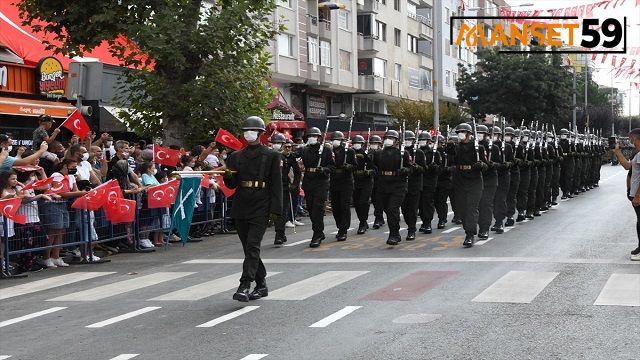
[276, 103]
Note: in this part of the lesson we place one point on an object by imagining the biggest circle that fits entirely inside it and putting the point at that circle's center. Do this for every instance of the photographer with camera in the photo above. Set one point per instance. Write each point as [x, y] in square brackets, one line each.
[633, 180]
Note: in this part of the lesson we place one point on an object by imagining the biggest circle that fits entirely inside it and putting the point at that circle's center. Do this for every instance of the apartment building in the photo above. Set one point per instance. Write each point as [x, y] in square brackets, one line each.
[352, 58]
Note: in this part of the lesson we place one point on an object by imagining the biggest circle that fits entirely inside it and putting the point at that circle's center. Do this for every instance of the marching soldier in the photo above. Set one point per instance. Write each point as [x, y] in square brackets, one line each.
[392, 168]
[341, 185]
[541, 155]
[568, 164]
[577, 172]
[489, 182]
[289, 187]
[526, 169]
[411, 200]
[553, 173]
[470, 163]
[318, 163]
[255, 173]
[510, 135]
[375, 144]
[503, 167]
[536, 161]
[452, 145]
[363, 183]
[444, 187]
[429, 181]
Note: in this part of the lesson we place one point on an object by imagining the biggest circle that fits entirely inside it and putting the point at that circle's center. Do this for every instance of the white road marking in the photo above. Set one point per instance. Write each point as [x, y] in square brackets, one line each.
[123, 317]
[508, 228]
[336, 232]
[298, 242]
[125, 356]
[49, 283]
[482, 242]
[451, 230]
[4, 357]
[335, 317]
[121, 287]
[423, 260]
[227, 317]
[620, 290]
[401, 229]
[306, 288]
[30, 316]
[519, 287]
[205, 289]
[254, 356]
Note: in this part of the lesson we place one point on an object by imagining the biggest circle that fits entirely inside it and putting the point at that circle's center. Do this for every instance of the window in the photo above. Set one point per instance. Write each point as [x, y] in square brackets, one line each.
[447, 14]
[345, 60]
[343, 19]
[447, 77]
[396, 5]
[398, 69]
[425, 47]
[455, 79]
[411, 10]
[412, 44]
[383, 2]
[381, 30]
[447, 47]
[285, 3]
[285, 45]
[365, 24]
[325, 53]
[397, 37]
[379, 67]
[312, 45]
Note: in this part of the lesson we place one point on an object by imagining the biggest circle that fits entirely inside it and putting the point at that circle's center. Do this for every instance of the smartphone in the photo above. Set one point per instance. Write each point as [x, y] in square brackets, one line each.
[612, 142]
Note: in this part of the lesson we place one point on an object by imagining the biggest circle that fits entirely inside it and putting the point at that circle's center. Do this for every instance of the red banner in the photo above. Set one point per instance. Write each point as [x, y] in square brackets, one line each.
[228, 192]
[96, 198]
[163, 195]
[227, 139]
[165, 156]
[37, 184]
[9, 209]
[77, 124]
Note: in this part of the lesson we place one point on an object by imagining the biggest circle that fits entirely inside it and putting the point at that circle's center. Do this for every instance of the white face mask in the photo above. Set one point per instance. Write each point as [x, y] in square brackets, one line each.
[374, 146]
[336, 143]
[357, 146]
[408, 142]
[9, 148]
[155, 171]
[85, 156]
[251, 135]
[507, 138]
[388, 142]
[563, 137]
[495, 138]
[549, 140]
[276, 147]
[525, 138]
[312, 140]
[462, 136]
[109, 143]
[422, 143]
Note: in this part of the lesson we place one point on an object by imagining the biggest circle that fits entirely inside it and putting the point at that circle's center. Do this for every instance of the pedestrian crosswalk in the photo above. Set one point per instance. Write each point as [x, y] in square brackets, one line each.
[517, 287]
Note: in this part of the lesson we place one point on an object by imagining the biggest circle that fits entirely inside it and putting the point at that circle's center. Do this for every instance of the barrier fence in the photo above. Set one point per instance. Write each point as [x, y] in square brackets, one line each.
[81, 229]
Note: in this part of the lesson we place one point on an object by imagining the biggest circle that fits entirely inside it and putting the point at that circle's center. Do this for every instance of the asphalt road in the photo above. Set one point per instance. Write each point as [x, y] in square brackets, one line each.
[558, 287]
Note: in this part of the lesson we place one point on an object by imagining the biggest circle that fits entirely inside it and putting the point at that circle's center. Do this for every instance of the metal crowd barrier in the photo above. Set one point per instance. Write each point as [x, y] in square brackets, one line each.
[87, 228]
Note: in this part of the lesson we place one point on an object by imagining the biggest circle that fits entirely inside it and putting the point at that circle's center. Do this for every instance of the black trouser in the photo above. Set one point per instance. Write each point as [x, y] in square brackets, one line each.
[577, 175]
[500, 198]
[390, 201]
[378, 207]
[427, 200]
[410, 206]
[452, 196]
[250, 232]
[533, 186]
[547, 183]
[597, 165]
[341, 206]
[468, 193]
[566, 176]
[315, 195]
[586, 171]
[523, 188]
[512, 195]
[637, 210]
[555, 181]
[542, 180]
[444, 189]
[287, 197]
[485, 207]
[361, 195]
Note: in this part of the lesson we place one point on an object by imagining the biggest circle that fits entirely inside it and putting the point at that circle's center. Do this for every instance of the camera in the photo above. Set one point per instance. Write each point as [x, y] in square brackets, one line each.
[612, 142]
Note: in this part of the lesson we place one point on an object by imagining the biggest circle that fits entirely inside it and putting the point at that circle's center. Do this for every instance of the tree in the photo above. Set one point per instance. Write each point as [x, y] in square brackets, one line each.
[192, 68]
[411, 111]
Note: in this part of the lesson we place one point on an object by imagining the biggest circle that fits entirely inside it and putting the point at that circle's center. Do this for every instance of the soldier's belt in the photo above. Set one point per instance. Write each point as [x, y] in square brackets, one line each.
[360, 172]
[388, 173]
[311, 170]
[253, 184]
[339, 171]
[464, 167]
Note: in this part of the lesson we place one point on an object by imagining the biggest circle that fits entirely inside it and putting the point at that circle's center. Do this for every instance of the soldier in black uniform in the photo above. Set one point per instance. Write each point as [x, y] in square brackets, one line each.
[392, 170]
[503, 166]
[510, 136]
[289, 186]
[568, 164]
[341, 186]
[577, 172]
[429, 181]
[255, 174]
[470, 163]
[534, 172]
[375, 144]
[556, 158]
[444, 187]
[541, 152]
[316, 181]
[363, 183]
[489, 182]
[526, 168]
[452, 145]
[411, 200]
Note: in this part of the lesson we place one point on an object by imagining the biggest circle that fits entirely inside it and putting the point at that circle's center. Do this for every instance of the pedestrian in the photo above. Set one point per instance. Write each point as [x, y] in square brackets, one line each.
[255, 174]
[363, 183]
[40, 134]
[633, 181]
[341, 184]
[412, 199]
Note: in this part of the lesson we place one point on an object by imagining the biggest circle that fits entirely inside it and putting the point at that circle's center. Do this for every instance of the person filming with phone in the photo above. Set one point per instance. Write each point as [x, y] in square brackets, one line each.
[633, 180]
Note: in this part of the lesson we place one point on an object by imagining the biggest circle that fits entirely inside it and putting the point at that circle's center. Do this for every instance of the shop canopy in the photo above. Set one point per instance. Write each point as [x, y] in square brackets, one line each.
[10, 106]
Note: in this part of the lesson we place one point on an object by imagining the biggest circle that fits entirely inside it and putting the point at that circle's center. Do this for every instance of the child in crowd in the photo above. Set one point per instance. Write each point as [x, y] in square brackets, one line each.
[150, 218]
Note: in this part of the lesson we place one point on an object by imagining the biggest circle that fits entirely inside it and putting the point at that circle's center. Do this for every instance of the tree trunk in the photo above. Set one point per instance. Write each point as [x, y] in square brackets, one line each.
[174, 131]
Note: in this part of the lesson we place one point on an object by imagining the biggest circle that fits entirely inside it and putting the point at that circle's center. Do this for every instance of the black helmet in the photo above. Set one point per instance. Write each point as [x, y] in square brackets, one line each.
[549, 135]
[509, 131]
[482, 129]
[277, 138]
[526, 132]
[314, 131]
[375, 139]
[409, 135]
[564, 132]
[424, 136]
[463, 127]
[253, 123]
[337, 135]
[357, 140]
[391, 134]
[497, 130]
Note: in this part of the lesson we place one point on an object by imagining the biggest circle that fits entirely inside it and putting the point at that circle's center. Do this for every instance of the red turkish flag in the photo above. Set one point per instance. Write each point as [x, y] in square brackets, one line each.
[25, 168]
[228, 192]
[96, 198]
[38, 183]
[9, 209]
[227, 139]
[165, 156]
[114, 193]
[205, 181]
[163, 195]
[122, 211]
[77, 124]
[60, 188]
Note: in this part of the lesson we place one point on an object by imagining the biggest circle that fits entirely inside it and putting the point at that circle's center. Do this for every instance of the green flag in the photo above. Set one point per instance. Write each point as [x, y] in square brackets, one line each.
[185, 203]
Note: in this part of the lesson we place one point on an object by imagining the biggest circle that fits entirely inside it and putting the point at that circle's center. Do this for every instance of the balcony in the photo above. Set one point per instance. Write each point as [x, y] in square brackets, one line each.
[426, 31]
[324, 27]
[426, 62]
[312, 25]
[371, 83]
[370, 6]
[369, 43]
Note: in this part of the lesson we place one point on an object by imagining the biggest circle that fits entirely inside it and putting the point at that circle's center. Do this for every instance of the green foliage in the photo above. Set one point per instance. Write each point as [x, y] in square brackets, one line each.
[191, 70]
[412, 111]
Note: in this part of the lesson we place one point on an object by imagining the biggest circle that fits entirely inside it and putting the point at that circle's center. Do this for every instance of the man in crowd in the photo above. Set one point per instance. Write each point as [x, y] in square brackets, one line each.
[363, 183]
[341, 184]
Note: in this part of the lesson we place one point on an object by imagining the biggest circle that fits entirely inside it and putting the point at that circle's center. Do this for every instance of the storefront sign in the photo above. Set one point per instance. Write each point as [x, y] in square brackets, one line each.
[50, 78]
[277, 114]
[316, 107]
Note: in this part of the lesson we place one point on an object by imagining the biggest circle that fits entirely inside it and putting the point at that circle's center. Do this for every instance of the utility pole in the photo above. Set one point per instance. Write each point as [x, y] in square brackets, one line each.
[586, 87]
[575, 126]
[437, 63]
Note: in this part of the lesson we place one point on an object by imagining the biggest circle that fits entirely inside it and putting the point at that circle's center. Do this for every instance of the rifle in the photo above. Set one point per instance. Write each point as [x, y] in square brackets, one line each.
[503, 125]
[555, 138]
[475, 140]
[448, 131]
[350, 125]
[415, 143]
[402, 149]
[324, 138]
[435, 145]
[366, 151]
[491, 141]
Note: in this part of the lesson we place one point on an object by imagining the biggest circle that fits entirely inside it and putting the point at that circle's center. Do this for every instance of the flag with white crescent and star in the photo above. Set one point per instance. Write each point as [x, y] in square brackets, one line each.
[163, 195]
[77, 124]
[227, 139]
[165, 156]
[9, 209]
[182, 210]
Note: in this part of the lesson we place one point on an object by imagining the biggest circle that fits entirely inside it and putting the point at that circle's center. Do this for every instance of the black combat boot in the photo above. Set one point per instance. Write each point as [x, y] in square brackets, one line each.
[520, 217]
[469, 240]
[393, 239]
[483, 235]
[441, 224]
[260, 291]
[411, 234]
[362, 228]
[242, 294]
[510, 222]
[377, 223]
[498, 228]
[316, 240]
[280, 240]
[494, 227]
[342, 236]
